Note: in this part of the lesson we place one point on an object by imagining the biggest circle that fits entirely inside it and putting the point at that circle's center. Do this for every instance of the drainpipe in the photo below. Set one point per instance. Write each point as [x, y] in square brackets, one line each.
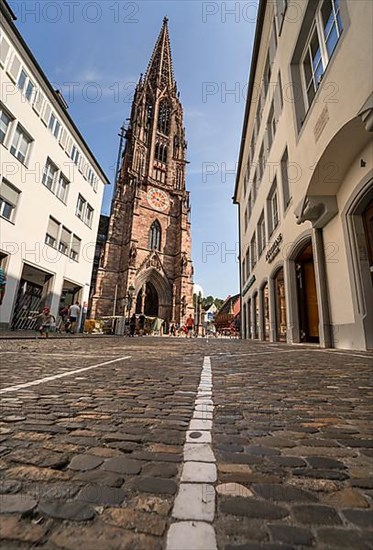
[243, 334]
[325, 326]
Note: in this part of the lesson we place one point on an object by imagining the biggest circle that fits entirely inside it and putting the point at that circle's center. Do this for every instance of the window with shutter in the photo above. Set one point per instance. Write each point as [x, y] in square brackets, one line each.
[75, 248]
[65, 240]
[69, 146]
[14, 68]
[63, 138]
[8, 200]
[52, 233]
[46, 114]
[39, 102]
[4, 50]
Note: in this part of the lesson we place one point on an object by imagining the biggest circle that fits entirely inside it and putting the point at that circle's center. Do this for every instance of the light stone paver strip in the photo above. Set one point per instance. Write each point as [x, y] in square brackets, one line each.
[102, 458]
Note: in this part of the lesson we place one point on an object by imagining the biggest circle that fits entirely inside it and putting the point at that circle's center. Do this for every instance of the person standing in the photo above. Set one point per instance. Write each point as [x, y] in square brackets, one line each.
[74, 312]
[133, 325]
[142, 319]
[83, 317]
[190, 326]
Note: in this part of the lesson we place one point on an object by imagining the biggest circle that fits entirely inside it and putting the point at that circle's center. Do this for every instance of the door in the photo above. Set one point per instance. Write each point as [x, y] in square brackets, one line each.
[368, 229]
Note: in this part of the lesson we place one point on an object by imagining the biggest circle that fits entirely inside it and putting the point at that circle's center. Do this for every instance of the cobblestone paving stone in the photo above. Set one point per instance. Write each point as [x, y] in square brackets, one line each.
[294, 427]
[94, 459]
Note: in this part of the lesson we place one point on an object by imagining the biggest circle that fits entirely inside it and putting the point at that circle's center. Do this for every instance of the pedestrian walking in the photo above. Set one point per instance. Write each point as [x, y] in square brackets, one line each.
[45, 322]
[133, 325]
[190, 326]
[173, 330]
[84, 316]
[74, 312]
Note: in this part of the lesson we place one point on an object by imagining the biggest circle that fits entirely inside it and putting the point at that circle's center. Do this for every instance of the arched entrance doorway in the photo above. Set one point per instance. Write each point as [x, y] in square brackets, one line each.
[280, 306]
[255, 315]
[151, 301]
[265, 306]
[308, 313]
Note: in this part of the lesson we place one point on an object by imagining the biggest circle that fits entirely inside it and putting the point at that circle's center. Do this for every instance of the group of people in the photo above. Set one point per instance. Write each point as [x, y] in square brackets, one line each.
[141, 324]
[46, 322]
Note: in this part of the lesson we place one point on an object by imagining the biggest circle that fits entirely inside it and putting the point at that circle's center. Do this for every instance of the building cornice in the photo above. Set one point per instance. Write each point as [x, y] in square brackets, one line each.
[7, 14]
[254, 61]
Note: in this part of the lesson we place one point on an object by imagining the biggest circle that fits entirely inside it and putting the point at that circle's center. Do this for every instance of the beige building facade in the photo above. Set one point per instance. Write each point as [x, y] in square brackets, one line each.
[51, 190]
[304, 185]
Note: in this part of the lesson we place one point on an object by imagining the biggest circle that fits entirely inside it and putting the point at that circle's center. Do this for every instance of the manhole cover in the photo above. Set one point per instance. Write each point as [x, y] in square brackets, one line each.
[195, 435]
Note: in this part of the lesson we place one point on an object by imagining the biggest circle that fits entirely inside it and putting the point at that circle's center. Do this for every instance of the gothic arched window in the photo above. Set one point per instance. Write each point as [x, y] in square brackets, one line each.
[164, 116]
[155, 236]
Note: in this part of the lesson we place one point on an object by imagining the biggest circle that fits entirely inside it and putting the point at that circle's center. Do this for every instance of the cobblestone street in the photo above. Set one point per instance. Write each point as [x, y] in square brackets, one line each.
[161, 443]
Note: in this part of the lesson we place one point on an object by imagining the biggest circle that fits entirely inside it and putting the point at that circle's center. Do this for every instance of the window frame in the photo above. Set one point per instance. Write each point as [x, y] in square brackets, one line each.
[4, 110]
[22, 134]
[4, 201]
[46, 174]
[317, 26]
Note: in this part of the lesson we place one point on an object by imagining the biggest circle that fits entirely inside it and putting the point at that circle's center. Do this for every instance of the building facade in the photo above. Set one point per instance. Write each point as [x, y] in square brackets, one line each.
[304, 185]
[51, 189]
[146, 263]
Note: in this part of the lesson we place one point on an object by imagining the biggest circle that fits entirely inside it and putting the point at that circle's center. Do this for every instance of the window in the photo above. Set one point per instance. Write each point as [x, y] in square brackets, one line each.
[22, 81]
[267, 75]
[62, 188]
[26, 86]
[285, 179]
[271, 127]
[21, 144]
[248, 264]
[75, 248]
[5, 121]
[261, 163]
[273, 217]
[331, 24]
[280, 13]
[9, 196]
[54, 126]
[80, 207]
[164, 115]
[65, 240]
[253, 251]
[89, 215]
[261, 234]
[52, 233]
[49, 175]
[325, 33]
[250, 203]
[244, 270]
[155, 235]
[75, 155]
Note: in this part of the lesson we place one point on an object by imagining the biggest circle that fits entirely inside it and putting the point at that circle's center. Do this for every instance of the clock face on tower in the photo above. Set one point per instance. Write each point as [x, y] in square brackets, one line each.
[158, 199]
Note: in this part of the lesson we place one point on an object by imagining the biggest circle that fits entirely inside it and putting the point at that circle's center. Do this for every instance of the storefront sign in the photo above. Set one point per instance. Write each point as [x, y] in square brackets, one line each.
[250, 283]
[274, 250]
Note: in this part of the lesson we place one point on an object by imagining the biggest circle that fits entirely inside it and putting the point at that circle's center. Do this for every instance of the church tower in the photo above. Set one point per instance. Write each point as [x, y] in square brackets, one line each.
[148, 248]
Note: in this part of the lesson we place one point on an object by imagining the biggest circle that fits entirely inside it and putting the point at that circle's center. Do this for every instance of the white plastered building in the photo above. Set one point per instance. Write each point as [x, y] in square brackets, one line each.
[305, 178]
[51, 189]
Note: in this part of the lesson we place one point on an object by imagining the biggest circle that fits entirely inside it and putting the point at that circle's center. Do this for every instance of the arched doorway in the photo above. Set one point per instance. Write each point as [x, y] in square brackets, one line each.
[281, 316]
[265, 306]
[151, 301]
[308, 312]
[256, 315]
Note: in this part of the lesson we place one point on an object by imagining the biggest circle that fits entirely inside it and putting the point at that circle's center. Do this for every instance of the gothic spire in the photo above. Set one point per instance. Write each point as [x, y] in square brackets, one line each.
[160, 70]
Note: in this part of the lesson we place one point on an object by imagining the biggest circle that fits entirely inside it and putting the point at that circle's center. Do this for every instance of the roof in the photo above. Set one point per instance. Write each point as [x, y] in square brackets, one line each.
[254, 60]
[7, 12]
[228, 304]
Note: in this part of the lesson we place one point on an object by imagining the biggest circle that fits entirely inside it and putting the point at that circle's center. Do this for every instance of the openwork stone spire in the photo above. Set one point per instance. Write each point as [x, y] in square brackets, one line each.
[160, 71]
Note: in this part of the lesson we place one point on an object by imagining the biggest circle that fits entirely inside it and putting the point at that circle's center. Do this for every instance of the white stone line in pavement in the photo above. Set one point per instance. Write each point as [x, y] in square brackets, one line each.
[195, 502]
[62, 375]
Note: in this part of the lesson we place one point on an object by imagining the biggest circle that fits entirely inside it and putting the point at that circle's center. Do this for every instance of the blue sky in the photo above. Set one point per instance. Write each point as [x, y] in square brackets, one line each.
[103, 46]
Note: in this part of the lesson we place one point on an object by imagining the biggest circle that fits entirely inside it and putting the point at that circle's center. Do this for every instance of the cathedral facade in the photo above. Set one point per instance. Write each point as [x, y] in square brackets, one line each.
[146, 260]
